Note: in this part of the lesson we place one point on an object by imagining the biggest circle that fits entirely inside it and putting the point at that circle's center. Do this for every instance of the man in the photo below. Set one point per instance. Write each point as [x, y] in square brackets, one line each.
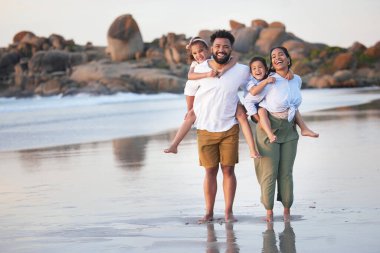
[217, 128]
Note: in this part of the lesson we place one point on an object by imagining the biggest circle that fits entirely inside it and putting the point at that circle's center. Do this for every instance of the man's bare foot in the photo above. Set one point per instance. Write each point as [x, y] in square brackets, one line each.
[310, 133]
[272, 138]
[269, 217]
[206, 219]
[229, 217]
[171, 149]
[286, 215]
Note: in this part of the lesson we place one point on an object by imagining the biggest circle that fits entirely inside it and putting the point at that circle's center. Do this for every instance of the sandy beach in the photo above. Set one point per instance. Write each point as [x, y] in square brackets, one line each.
[126, 195]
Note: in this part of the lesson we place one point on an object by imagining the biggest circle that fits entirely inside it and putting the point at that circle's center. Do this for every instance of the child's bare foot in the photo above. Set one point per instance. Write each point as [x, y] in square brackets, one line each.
[171, 149]
[269, 217]
[286, 215]
[206, 219]
[310, 133]
[229, 217]
[272, 138]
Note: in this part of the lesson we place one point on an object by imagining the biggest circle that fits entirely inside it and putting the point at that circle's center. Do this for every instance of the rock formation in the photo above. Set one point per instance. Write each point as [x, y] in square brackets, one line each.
[53, 65]
[124, 39]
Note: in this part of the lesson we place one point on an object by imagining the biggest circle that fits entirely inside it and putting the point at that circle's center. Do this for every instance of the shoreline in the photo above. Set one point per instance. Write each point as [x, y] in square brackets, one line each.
[373, 105]
[126, 195]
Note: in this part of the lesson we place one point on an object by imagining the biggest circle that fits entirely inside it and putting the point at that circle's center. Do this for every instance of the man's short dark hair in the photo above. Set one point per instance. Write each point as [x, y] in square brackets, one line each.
[222, 34]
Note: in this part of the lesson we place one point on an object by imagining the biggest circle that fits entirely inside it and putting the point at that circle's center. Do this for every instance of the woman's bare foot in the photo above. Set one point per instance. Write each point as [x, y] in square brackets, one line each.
[206, 219]
[229, 217]
[310, 133]
[286, 215]
[171, 149]
[269, 217]
[272, 138]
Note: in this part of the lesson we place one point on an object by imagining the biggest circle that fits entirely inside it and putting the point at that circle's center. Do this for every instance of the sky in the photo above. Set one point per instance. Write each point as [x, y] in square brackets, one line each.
[332, 22]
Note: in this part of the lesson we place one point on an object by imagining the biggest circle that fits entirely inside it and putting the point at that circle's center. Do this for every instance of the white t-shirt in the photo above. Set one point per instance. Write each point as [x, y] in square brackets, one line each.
[250, 101]
[283, 95]
[217, 98]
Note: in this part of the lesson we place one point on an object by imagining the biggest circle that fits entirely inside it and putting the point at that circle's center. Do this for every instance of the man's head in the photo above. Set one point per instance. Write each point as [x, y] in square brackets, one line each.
[222, 42]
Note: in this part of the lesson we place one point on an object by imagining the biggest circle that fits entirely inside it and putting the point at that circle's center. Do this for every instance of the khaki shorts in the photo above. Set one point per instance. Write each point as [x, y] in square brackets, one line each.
[218, 147]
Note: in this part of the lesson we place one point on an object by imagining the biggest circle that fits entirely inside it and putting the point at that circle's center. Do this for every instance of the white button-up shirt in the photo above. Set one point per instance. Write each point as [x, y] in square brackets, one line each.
[216, 99]
[283, 95]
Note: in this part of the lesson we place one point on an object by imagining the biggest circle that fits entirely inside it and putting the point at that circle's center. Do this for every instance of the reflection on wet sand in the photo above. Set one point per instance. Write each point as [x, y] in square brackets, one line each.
[287, 239]
[130, 152]
[212, 241]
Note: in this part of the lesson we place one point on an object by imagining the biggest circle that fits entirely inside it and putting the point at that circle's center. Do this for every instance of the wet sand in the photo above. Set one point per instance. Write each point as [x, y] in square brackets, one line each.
[126, 195]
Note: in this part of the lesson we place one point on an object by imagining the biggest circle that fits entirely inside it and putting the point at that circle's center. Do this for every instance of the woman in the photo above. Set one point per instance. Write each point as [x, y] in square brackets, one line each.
[282, 99]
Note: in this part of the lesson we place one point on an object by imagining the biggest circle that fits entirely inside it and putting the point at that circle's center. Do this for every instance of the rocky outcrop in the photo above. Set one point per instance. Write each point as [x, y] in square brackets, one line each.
[124, 39]
[127, 77]
[53, 65]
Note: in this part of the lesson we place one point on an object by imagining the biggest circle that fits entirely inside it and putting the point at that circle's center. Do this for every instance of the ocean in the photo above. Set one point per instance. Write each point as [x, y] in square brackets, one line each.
[39, 122]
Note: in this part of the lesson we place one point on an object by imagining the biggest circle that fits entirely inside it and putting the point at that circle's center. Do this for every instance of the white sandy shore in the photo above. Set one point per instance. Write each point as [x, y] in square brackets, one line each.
[128, 196]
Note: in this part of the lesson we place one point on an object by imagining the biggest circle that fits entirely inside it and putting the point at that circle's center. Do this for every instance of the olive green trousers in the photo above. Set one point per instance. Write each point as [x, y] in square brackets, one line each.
[276, 165]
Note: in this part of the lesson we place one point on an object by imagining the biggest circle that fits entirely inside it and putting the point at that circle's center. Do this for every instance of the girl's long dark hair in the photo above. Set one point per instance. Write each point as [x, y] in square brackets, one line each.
[271, 69]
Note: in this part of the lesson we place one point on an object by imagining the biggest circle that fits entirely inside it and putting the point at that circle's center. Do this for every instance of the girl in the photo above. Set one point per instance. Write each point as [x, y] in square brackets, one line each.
[259, 82]
[199, 52]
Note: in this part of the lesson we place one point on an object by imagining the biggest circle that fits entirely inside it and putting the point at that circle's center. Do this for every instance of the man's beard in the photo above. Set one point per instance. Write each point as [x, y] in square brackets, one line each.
[223, 60]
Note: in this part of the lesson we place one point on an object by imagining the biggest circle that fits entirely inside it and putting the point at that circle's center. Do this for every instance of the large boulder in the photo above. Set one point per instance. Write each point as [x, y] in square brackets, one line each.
[49, 61]
[23, 36]
[374, 51]
[124, 39]
[236, 25]
[7, 63]
[128, 77]
[245, 38]
[259, 23]
[343, 61]
[270, 37]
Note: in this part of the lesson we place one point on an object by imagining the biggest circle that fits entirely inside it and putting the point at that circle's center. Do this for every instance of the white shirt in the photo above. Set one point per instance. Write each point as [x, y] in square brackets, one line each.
[217, 98]
[283, 95]
[250, 100]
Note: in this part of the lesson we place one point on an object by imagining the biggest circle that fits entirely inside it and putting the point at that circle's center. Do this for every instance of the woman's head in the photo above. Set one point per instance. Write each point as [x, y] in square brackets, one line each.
[198, 50]
[258, 67]
[280, 59]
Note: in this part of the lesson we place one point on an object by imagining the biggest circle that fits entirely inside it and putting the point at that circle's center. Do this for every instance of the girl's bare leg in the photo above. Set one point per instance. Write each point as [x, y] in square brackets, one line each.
[181, 133]
[305, 130]
[265, 124]
[246, 129]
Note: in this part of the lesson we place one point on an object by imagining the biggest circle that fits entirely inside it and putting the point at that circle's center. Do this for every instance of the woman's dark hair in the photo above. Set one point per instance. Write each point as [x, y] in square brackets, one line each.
[271, 69]
[224, 35]
[263, 61]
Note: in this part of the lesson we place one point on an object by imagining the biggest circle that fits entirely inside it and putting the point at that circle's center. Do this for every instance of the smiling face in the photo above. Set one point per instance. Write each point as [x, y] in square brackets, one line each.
[200, 52]
[221, 50]
[279, 60]
[258, 70]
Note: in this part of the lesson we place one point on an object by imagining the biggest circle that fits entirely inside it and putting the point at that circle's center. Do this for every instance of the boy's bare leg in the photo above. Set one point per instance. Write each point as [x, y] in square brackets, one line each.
[181, 133]
[241, 116]
[210, 187]
[229, 189]
[305, 130]
[265, 124]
